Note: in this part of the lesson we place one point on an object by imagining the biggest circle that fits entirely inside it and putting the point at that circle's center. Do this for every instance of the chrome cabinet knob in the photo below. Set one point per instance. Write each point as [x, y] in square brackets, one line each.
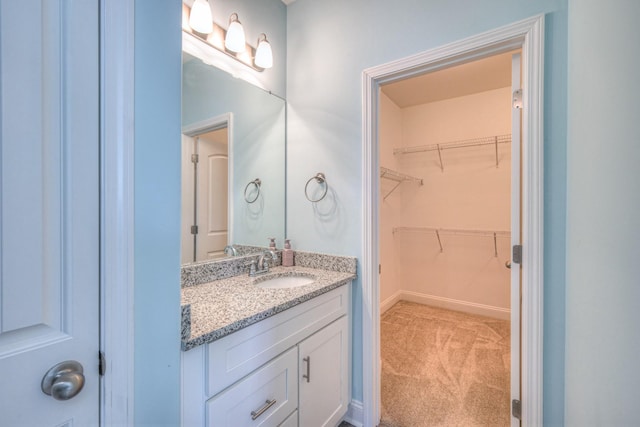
[64, 380]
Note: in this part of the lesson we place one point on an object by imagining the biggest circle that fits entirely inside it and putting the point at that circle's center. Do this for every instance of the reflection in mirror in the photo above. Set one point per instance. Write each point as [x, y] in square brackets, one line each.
[205, 160]
[255, 141]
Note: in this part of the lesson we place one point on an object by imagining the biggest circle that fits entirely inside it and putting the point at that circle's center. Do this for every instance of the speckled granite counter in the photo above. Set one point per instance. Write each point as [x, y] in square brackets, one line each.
[213, 310]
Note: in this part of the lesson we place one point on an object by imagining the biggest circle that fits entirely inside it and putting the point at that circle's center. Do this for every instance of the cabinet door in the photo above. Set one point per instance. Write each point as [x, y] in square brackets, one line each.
[324, 375]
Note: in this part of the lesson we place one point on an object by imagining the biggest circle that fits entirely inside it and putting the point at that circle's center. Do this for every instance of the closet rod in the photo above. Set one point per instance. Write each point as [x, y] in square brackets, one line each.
[475, 142]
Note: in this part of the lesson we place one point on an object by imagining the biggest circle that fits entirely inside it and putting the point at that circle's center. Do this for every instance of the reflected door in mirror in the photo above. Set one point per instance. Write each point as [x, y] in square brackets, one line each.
[205, 164]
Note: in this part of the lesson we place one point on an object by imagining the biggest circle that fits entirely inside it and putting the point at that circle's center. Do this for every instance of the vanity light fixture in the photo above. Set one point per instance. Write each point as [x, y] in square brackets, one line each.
[200, 17]
[197, 21]
[235, 41]
[264, 55]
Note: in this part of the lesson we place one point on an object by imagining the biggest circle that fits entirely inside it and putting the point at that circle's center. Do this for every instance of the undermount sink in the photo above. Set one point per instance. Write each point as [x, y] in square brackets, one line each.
[282, 282]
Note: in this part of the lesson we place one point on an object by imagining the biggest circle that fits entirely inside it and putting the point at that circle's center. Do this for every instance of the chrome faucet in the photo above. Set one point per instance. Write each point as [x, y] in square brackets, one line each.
[263, 262]
[261, 266]
[230, 250]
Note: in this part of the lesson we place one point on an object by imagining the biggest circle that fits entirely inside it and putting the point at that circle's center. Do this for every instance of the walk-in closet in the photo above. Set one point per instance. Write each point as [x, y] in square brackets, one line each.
[445, 158]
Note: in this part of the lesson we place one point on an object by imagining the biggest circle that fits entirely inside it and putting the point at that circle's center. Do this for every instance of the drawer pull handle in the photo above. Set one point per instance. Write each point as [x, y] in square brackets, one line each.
[268, 404]
[308, 375]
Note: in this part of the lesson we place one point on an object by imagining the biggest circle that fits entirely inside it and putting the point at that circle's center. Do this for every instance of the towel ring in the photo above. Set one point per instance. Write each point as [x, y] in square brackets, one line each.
[257, 183]
[320, 179]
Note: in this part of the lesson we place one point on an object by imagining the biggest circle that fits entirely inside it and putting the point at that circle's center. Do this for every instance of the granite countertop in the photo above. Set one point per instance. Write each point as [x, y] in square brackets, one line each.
[213, 310]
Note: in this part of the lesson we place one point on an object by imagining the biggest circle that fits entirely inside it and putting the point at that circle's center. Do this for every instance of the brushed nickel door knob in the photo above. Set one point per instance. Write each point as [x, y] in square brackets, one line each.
[64, 380]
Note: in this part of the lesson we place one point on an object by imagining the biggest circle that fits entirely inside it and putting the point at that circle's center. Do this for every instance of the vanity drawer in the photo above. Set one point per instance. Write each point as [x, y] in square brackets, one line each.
[232, 357]
[265, 398]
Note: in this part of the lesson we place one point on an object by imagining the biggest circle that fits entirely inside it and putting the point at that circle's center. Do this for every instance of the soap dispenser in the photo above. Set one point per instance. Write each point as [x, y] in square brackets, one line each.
[272, 243]
[287, 254]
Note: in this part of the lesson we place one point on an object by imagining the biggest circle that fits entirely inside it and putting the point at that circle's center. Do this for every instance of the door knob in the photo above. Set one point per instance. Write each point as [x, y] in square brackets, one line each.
[63, 381]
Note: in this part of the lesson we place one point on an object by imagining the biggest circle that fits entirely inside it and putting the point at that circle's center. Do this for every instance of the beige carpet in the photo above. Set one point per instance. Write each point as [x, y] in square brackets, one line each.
[443, 368]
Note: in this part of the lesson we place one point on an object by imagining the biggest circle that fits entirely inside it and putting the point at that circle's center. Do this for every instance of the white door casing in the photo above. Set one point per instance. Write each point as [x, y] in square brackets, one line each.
[527, 35]
[49, 207]
[187, 251]
[516, 117]
[116, 201]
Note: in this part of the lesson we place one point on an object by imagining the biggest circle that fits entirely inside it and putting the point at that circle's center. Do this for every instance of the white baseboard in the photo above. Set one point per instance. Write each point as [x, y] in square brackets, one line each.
[355, 413]
[389, 302]
[448, 303]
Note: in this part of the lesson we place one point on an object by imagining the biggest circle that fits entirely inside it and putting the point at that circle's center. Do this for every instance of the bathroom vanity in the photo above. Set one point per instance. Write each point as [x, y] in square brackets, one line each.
[255, 353]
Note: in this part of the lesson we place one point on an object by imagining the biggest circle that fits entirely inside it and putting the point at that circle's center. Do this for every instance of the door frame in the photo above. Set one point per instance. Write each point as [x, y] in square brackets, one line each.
[527, 35]
[116, 210]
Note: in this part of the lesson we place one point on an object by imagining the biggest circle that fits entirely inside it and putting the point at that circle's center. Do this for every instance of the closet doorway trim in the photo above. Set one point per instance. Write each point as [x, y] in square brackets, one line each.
[528, 35]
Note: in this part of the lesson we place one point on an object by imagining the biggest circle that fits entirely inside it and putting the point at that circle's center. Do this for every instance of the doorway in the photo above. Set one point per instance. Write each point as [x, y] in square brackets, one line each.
[526, 35]
[207, 180]
[445, 228]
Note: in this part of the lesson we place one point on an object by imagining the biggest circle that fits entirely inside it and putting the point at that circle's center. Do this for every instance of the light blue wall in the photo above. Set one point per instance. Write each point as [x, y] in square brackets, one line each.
[603, 221]
[330, 43]
[157, 213]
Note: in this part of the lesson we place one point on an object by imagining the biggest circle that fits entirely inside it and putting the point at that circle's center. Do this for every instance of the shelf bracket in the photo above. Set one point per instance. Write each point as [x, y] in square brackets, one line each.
[495, 245]
[440, 157]
[496, 141]
[439, 241]
[392, 190]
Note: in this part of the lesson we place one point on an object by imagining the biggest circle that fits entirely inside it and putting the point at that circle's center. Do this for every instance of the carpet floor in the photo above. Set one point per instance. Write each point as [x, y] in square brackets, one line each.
[443, 368]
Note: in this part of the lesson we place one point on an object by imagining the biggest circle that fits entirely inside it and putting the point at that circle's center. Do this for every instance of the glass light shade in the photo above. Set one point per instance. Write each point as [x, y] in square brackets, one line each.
[264, 55]
[235, 41]
[200, 19]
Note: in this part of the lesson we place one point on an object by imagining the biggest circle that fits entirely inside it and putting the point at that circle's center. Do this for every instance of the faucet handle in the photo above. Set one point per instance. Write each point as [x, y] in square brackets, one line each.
[252, 267]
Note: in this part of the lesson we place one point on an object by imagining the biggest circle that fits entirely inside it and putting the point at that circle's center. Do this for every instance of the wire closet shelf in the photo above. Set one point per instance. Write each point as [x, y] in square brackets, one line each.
[494, 140]
[398, 177]
[440, 232]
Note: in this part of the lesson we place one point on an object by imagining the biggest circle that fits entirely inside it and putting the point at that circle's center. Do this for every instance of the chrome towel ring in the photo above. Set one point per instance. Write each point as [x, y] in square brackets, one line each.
[257, 183]
[320, 179]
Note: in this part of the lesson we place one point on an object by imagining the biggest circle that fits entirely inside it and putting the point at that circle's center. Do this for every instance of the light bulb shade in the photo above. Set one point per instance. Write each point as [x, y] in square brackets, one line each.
[235, 41]
[200, 19]
[264, 55]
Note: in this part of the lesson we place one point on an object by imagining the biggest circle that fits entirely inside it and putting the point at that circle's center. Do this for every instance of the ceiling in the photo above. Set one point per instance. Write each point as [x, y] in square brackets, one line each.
[482, 75]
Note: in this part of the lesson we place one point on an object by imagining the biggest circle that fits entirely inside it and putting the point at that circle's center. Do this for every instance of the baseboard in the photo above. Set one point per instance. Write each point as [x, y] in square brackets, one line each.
[389, 302]
[355, 413]
[448, 303]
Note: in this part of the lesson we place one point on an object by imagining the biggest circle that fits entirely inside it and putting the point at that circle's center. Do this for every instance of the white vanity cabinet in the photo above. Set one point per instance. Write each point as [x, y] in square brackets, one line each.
[290, 369]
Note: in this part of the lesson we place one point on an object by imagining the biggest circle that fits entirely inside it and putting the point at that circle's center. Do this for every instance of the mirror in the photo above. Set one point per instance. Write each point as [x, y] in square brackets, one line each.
[233, 163]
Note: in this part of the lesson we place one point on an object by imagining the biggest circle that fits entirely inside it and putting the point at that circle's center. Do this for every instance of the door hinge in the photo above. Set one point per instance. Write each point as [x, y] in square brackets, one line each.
[517, 254]
[516, 408]
[194, 158]
[194, 229]
[102, 364]
[517, 99]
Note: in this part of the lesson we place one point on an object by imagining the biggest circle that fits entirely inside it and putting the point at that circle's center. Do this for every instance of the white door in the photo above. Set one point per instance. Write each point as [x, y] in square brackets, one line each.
[516, 115]
[205, 198]
[213, 171]
[49, 210]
